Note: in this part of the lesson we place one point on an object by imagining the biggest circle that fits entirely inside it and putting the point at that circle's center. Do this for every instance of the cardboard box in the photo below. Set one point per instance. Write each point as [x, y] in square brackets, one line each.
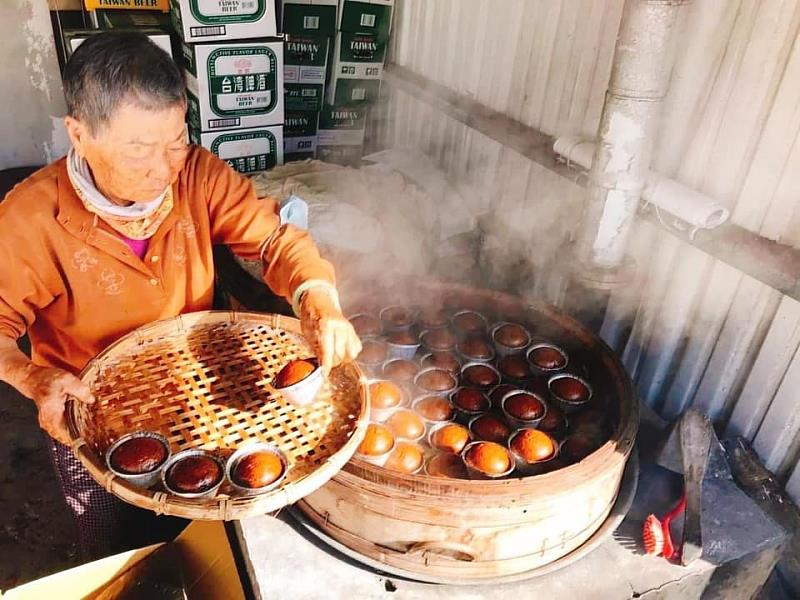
[246, 150]
[209, 569]
[309, 17]
[305, 63]
[341, 133]
[352, 91]
[300, 135]
[357, 68]
[372, 17]
[234, 86]
[162, 5]
[215, 20]
[132, 19]
[75, 37]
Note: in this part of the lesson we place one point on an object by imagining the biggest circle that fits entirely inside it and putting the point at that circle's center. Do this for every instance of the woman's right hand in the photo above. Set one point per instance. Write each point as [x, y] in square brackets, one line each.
[50, 389]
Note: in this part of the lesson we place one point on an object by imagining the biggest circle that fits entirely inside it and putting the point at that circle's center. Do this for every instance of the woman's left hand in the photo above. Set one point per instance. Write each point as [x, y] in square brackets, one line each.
[331, 335]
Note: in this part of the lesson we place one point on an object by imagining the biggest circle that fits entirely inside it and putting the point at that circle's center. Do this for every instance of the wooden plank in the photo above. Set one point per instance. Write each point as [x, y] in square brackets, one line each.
[695, 434]
[773, 360]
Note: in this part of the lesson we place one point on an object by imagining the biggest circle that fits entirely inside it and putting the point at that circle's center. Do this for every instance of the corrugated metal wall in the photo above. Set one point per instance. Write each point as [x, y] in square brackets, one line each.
[704, 334]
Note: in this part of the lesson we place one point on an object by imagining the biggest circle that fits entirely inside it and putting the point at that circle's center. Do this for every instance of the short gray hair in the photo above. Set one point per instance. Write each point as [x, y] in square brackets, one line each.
[114, 67]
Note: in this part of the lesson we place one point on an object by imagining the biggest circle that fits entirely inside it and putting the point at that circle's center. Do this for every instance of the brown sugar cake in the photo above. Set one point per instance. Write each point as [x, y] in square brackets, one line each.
[479, 375]
[547, 357]
[533, 445]
[490, 428]
[139, 455]
[406, 424]
[489, 458]
[384, 394]
[405, 458]
[366, 325]
[194, 474]
[434, 408]
[258, 469]
[435, 380]
[511, 335]
[378, 440]
[470, 400]
[450, 438]
[294, 372]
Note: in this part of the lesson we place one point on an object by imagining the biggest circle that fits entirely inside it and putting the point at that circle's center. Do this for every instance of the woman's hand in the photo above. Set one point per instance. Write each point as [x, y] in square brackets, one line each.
[333, 338]
[50, 389]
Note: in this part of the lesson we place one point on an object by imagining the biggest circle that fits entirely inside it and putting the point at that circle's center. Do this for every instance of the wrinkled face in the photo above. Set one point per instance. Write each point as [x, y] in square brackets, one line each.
[137, 154]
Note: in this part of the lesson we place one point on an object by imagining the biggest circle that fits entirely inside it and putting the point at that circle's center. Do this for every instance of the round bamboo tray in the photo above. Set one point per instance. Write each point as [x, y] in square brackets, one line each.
[203, 381]
[472, 531]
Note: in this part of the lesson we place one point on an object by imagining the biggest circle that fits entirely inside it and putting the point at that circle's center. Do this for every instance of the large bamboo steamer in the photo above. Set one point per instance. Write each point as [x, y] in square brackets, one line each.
[472, 531]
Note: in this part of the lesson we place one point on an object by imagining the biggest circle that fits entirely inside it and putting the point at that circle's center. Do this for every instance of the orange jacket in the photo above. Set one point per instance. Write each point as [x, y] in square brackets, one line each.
[76, 287]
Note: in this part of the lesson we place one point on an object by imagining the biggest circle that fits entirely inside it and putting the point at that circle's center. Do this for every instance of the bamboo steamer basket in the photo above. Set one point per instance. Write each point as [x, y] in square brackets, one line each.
[475, 531]
[202, 380]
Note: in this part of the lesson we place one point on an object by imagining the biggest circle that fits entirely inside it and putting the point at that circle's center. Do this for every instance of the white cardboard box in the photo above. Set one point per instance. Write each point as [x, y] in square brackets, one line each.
[246, 150]
[215, 20]
[234, 85]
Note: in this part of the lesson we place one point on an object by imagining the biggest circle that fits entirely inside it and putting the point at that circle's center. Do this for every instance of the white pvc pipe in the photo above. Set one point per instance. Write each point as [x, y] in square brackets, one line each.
[639, 78]
[697, 210]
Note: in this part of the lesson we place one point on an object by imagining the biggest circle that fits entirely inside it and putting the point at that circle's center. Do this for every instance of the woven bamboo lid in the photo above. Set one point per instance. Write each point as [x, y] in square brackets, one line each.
[203, 381]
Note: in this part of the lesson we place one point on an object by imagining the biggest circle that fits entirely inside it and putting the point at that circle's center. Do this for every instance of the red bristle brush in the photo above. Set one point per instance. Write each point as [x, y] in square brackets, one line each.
[656, 534]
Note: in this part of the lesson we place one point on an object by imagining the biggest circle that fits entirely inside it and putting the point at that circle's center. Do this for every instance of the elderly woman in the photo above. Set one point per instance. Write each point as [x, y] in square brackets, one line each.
[119, 233]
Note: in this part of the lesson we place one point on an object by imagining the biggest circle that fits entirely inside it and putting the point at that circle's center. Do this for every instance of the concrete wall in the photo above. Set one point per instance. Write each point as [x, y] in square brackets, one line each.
[30, 86]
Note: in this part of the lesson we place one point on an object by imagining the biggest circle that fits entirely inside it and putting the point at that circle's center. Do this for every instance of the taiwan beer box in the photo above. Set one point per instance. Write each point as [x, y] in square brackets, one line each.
[246, 150]
[310, 17]
[162, 5]
[137, 20]
[357, 68]
[366, 17]
[300, 135]
[341, 133]
[214, 20]
[127, 19]
[305, 61]
[234, 86]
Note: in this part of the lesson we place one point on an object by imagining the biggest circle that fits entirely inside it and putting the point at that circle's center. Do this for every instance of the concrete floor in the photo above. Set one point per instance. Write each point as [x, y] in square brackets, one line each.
[37, 533]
